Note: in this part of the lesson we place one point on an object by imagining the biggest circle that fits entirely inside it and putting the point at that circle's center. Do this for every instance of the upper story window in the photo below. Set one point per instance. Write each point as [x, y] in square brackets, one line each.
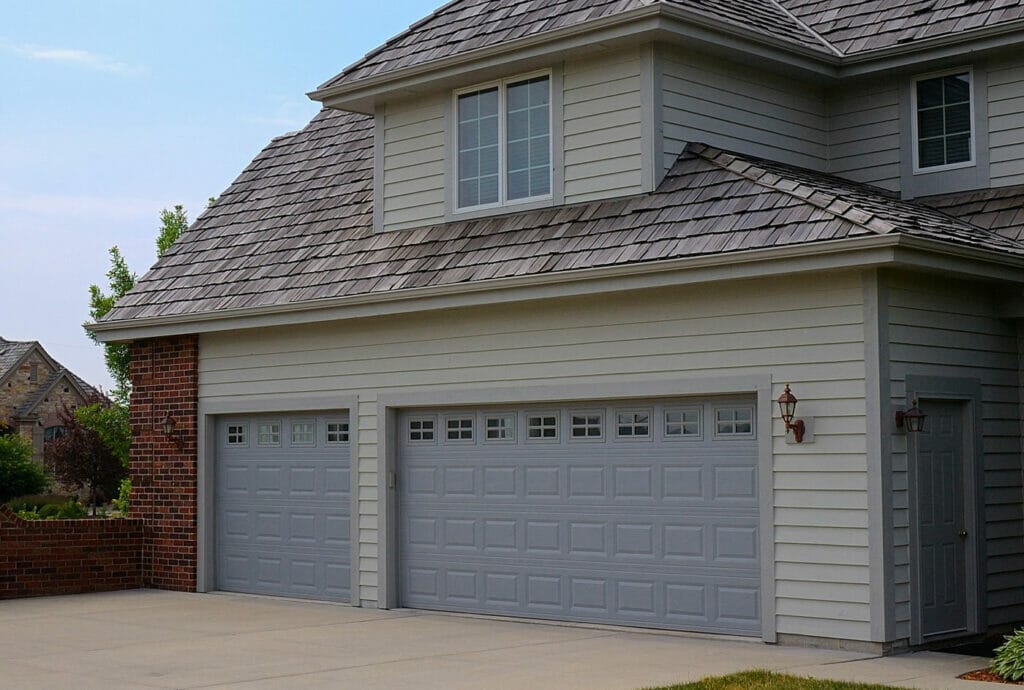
[503, 141]
[943, 122]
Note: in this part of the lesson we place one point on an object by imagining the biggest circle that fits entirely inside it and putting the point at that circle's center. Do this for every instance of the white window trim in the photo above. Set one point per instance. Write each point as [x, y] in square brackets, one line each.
[280, 433]
[634, 411]
[291, 433]
[246, 433]
[914, 143]
[472, 429]
[602, 424]
[559, 423]
[512, 416]
[727, 437]
[699, 436]
[339, 422]
[421, 418]
[502, 85]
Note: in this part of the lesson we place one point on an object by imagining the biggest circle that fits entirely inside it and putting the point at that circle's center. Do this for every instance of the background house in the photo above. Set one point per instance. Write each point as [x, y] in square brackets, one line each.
[502, 329]
[34, 388]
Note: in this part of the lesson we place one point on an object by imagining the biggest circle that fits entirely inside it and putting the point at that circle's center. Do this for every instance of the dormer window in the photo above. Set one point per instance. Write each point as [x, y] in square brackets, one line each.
[943, 122]
[503, 139]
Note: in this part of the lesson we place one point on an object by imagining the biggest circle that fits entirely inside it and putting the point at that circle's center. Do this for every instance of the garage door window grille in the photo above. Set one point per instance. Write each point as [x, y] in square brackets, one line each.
[303, 433]
[268, 434]
[542, 427]
[337, 432]
[421, 430]
[734, 422]
[586, 425]
[238, 435]
[459, 429]
[633, 424]
[683, 422]
[500, 428]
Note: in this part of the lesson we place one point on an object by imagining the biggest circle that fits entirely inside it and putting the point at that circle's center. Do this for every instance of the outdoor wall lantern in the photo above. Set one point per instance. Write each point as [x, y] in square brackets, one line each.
[911, 420]
[787, 406]
[170, 429]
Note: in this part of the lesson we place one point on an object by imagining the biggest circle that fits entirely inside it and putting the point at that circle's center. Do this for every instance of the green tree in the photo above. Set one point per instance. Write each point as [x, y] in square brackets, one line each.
[116, 355]
[172, 225]
[111, 423]
[19, 474]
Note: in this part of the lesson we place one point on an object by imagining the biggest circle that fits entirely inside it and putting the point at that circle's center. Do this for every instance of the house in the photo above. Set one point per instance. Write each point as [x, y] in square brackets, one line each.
[502, 330]
[34, 389]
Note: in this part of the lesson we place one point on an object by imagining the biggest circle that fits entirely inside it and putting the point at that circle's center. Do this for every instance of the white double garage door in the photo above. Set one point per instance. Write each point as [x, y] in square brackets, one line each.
[638, 513]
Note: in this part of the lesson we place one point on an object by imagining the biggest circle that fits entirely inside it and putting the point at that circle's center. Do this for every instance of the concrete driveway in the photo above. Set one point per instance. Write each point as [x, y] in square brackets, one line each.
[152, 639]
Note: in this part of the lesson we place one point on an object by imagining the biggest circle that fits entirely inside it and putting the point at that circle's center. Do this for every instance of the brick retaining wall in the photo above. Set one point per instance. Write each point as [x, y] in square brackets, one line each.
[46, 557]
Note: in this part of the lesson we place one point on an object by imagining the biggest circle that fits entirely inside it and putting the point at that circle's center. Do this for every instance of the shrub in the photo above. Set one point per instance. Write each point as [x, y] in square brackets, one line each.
[19, 475]
[1009, 657]
[124, 494]
[81, 458]
[36, 501]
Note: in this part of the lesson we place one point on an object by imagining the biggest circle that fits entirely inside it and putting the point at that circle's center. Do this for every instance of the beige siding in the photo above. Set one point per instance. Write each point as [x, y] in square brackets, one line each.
[602, 126]
[942, 328]
[414, 164]
[816, 344]
[864, 134]
[713, 102]
[1006, 124]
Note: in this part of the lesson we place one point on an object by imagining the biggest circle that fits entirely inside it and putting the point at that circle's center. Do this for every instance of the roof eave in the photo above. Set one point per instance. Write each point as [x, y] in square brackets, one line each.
[867, 251]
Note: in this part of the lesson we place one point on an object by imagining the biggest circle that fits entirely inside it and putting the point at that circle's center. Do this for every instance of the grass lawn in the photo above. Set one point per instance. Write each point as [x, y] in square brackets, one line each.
[766, 680]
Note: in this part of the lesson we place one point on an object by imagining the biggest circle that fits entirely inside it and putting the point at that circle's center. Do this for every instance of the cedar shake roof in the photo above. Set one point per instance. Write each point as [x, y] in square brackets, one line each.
[1000, 210]
[296, 226]
[830, 27]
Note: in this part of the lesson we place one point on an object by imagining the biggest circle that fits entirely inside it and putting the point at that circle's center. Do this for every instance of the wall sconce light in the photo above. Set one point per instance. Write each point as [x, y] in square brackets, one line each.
[170, 429]
[787, 406]
[911, 420]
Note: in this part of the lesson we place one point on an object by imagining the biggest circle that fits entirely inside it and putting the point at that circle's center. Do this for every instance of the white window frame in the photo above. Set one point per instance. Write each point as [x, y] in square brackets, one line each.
[246, 432]
[291, 433]
[725, 436]
[672, 438]
[634, 411]
[510, 417]
[280, 431]
[602, 419]
[420, 441]
[344, 429]
[460, 418]
[557, 438]
[915, 153]
[502, 86]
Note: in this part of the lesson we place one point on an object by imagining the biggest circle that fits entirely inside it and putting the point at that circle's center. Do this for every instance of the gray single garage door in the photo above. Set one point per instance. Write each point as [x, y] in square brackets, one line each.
[282, 505]
[640, 513]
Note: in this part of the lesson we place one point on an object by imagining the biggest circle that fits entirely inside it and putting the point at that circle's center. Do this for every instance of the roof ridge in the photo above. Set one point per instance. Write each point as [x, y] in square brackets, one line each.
[807, 28]
[815, 197]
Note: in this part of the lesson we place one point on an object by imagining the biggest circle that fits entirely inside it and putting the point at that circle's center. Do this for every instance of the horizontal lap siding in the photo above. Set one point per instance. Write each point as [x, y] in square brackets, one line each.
[938, 328]
[816, 344]
[864, 135]
[602, 126]
[1006, 124]
[731, 107]
[414, 164]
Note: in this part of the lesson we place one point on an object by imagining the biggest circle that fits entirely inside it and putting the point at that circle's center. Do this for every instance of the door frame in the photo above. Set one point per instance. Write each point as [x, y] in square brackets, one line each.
[968, 392]
[389, 405]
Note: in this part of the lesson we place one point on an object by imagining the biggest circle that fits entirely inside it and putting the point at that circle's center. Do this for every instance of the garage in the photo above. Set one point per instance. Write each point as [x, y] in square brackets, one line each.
[282, 505]
[633, 513]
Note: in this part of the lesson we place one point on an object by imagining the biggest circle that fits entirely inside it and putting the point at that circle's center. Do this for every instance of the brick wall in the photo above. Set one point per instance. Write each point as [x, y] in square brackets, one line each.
[165, 381]
[45, 557]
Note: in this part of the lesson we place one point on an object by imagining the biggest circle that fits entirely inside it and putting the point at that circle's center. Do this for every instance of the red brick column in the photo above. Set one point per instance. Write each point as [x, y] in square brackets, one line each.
[164, 470]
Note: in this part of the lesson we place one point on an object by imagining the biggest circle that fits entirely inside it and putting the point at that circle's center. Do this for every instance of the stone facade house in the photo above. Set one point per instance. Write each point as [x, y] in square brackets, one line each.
[502, 330]
[34, 388]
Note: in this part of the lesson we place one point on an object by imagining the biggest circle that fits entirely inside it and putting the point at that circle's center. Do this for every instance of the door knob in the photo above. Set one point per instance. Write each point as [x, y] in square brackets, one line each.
[963, 534]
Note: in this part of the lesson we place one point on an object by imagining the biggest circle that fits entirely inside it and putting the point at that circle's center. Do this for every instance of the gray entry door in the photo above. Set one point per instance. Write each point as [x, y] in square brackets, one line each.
[282, 505]
[941, 538]
[640, 513]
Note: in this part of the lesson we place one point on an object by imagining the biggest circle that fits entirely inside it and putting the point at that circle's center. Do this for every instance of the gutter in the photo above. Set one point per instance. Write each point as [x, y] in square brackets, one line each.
[832, 254]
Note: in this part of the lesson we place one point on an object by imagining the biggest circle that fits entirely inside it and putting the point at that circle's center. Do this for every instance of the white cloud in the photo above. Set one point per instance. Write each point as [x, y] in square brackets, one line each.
[72, 56]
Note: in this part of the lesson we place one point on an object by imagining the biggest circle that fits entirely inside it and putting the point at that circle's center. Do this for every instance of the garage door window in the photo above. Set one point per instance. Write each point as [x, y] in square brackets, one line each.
[269, 434]
[734, 421]
[586, 425]
[683, 422]
[542, 427]
[500, 428]
[459, 429]
[421, 430]
[303, 434]
[633, 424]
[337, 432]
[238, 435]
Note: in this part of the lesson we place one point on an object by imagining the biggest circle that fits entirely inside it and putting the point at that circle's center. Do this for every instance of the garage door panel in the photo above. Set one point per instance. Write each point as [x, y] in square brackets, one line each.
[282, 510]
[653, 531]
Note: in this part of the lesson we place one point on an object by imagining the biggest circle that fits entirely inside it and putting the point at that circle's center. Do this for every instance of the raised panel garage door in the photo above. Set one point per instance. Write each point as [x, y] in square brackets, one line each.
[282, 506]
[640, 513]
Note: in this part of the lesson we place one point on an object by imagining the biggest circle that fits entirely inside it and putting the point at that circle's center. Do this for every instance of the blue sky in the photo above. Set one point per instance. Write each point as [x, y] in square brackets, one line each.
[111, 110]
